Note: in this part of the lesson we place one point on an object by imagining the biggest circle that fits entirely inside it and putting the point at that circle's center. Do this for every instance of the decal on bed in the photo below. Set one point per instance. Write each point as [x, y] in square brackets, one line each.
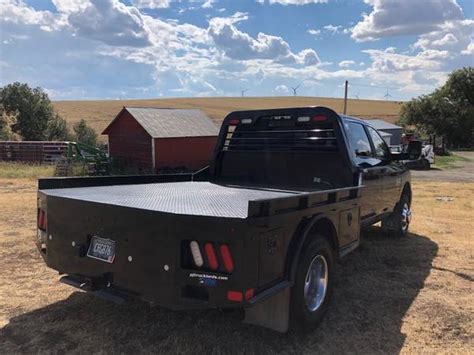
[208, 276]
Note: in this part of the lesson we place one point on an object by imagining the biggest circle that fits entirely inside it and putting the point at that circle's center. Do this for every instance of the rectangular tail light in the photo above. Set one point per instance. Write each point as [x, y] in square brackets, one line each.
[42, 220]
[211, 256]
[227, 258]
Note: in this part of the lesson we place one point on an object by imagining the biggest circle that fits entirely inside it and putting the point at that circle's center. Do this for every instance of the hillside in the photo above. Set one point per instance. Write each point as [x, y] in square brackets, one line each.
[100, 113]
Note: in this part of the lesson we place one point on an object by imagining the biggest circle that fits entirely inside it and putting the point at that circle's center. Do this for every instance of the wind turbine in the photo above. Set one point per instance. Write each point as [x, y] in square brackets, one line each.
[295, 88]
[387, 95]
[356, 96]
[243, 91]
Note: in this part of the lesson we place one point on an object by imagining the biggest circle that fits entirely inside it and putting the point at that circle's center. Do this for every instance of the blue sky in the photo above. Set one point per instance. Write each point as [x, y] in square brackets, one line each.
[115, 49]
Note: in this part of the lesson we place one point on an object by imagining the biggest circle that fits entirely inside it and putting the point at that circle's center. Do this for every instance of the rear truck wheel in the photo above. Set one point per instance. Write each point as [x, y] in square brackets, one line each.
[399, 221]
[313, 285]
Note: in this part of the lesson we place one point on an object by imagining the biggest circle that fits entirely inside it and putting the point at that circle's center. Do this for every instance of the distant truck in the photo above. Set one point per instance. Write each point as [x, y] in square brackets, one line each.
[285, 196]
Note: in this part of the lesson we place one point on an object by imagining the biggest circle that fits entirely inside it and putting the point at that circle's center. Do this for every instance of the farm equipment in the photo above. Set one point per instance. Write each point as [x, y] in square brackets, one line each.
[92, 161]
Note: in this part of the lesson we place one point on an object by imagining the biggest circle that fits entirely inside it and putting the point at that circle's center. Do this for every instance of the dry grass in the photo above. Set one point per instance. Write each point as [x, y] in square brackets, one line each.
[25, 170]
[100, 113]
[410, 295]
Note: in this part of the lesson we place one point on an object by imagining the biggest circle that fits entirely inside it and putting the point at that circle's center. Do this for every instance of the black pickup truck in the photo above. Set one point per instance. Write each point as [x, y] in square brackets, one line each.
[285, 196]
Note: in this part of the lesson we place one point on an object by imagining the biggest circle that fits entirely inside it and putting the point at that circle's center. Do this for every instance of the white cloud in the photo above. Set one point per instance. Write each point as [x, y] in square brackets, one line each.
[405, 17]
[314, 32]
[453, 36]
[111, 22]
[151, 4]
[208, 4]
[446, 40]
[386, 61]
[333, 29]
[309, 57]
[68, 6]
[239, 45]
[293, 2]
[346, 63]
[18, 12]
[283, 89]
[469, 50]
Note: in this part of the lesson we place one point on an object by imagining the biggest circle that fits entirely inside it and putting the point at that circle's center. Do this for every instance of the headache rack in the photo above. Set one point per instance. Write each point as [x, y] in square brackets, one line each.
[280, 139]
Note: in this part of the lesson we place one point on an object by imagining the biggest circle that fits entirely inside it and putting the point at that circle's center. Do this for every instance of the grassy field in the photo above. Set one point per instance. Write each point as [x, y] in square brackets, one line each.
[448, 161]
[24, 170]
[100, 113]
[411, 295]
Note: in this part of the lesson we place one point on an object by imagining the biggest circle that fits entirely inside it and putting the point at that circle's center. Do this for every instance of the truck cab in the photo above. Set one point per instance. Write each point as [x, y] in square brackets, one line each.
[382, 175]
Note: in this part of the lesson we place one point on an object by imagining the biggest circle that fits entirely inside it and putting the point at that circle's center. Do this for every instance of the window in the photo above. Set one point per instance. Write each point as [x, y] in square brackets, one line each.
[381, 149]
[358, 140]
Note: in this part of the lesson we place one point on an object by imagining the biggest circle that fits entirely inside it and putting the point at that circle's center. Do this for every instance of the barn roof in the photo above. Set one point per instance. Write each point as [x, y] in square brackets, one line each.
[171, 123]
[381, 124]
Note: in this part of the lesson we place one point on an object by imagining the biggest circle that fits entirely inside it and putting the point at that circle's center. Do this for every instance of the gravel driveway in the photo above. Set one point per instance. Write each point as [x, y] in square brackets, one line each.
[462, 171]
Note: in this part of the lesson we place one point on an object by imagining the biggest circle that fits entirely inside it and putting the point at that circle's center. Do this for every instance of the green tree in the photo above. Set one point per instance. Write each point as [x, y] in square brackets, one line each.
[58, 130]
[448, 112]
[84, 133]
[31, 108]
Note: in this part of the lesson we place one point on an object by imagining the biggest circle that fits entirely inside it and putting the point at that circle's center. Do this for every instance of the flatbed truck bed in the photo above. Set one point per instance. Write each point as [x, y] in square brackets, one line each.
[196, 198]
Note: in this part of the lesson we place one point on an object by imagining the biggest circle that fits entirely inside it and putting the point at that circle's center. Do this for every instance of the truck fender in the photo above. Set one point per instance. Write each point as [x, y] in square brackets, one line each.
[301, 236]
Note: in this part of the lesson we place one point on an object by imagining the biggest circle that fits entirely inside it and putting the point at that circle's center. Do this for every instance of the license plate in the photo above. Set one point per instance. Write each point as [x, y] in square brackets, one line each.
[102, 249]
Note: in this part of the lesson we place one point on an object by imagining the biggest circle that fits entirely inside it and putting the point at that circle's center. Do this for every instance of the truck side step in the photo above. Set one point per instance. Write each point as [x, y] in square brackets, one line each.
[107, 294]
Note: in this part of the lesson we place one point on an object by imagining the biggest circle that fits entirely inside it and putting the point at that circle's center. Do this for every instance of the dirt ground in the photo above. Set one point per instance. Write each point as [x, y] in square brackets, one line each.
[462, 171]
[410, 295]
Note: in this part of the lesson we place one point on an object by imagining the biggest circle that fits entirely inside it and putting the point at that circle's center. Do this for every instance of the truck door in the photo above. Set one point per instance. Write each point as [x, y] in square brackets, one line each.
[391, 172]
[372, 173]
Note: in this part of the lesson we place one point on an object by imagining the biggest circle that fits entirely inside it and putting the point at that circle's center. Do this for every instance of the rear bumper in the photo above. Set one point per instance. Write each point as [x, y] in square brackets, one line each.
[106, 290]
[108, 293]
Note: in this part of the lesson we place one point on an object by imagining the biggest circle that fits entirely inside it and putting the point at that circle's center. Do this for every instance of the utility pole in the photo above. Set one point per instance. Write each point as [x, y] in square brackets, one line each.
[346, 84]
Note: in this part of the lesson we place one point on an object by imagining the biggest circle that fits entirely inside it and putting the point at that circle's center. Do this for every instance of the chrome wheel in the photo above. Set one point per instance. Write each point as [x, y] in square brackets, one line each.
[316, 282]
[406, 216]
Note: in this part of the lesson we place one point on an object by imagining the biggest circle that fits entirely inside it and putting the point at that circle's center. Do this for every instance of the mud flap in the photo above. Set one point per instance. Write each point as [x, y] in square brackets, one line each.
[272, 313]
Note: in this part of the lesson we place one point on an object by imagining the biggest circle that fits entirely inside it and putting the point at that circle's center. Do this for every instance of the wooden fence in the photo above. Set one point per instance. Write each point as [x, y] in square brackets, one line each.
[40, 152]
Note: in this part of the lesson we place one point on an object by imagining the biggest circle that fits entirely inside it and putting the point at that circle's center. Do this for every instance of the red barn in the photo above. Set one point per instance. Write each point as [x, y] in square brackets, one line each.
[157, 138]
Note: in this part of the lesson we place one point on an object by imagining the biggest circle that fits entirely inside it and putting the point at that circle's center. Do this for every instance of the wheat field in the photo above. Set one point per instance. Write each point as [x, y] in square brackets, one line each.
[100, 113]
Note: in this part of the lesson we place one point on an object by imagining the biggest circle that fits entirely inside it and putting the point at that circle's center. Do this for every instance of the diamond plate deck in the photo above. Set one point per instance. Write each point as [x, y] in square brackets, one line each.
[190, 198]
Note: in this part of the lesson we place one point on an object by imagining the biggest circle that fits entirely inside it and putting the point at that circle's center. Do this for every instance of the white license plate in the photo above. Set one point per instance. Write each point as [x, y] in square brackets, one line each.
[102, 249]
